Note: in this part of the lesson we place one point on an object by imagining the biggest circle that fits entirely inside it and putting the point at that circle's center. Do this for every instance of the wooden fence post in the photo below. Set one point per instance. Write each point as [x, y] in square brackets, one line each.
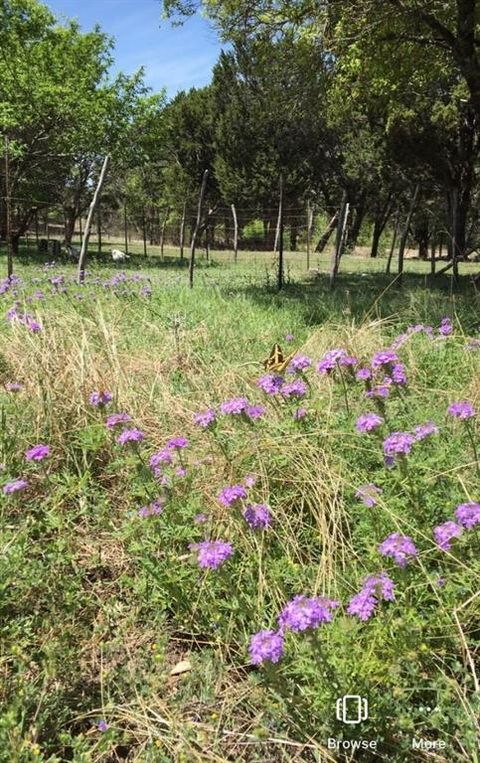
[394, 241]
[182, 230]
[201, 196]
[337, 252]
[83, 252]
[280, 278]
[235, 233]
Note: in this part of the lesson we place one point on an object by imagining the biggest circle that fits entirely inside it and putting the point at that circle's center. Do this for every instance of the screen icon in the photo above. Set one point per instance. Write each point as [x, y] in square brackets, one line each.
[352, 709]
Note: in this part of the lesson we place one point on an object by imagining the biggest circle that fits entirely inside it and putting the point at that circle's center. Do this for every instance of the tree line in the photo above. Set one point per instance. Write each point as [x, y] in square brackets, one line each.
[374, 102]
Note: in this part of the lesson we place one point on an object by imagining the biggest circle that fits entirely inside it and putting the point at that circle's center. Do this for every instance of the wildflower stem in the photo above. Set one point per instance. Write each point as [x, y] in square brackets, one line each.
[344, 387]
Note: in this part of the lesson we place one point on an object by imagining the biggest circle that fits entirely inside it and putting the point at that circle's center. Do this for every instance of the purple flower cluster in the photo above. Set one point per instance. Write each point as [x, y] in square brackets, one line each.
[154, 508]
[375, 588]
[304, 612]
[266, 646]
[271, 384]
[130, 435]
[15, 486]
[234, 407]
[368, 494]
[295, 389]
[368, 422]
[100, 398]
[445, 533]
[211, 554]
[177, 443]
[384, 359]
[258, 516]
[400, 548]
[398, 444]
[117, 418]
[25, 319]
[425, 430]
[299, 363]
[330, 360]
[462, 410]
[206, 418]
[446, 327]
[468, 515]
[37, 453]
[230, 495]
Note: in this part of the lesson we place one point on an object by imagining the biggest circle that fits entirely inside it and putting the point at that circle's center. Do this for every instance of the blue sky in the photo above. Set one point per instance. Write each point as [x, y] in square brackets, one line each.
[173, 57]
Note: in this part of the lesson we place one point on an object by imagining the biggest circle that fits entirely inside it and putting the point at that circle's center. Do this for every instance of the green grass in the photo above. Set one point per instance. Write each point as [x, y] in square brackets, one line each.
[97, 605]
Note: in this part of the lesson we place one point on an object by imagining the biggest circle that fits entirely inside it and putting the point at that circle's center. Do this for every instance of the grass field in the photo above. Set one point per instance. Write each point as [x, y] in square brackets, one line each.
[117, 645]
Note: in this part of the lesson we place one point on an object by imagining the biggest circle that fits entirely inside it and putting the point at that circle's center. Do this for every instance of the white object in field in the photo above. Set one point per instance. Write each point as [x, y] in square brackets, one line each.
[118, 255]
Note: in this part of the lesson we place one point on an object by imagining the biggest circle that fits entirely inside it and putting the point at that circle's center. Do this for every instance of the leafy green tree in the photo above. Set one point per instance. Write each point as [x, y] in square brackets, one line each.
[58, 107]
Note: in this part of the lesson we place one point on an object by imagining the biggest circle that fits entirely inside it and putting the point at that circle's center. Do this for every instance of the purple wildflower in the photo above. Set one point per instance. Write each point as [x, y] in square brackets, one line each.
[232, 494]
[289, 337]
[329, 360]
[446, 327]
[300, 363]
[425, 430]
[37, 452]
[462, 410]
[117, 418]
[99, 399]
[468, 514]
[254, 412]
[398, 444]
[271, 384]
[303, 612]
[399, 374]
[444, 534]
[177, 443]
[250, 480]
[130, 435]
[15, 486]
[199, 519]
[205, 418]
[13, 386]
[235, 406]
[258, 516]
[368, 422]
[299, 414]
[160, 457]
[296, 388]
[368, 494]
[266, 646]
[348, 361]
[375, 589]
[211, 554]
[400, 548]
[380, 390]
[363, 374]
[384, 358]
[154, 508]
[102, 725]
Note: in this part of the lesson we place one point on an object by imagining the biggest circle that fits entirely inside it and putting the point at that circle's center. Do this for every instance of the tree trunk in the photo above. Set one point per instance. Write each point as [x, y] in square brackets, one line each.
[356, 225]
[327, 233]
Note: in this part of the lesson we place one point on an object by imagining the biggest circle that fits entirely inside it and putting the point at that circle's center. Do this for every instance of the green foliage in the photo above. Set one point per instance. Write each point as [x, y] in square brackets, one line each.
[97, 605]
